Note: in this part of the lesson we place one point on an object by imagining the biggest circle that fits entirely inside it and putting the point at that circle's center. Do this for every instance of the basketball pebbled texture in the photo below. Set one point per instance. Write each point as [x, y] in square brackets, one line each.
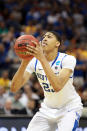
[21, 43]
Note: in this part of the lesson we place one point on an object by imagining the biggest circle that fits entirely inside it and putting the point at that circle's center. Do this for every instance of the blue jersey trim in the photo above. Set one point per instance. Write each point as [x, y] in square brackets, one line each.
[36, 64]
[62, 60]
[76, 124]
[77, 116]
[55, 59]
[71, 77]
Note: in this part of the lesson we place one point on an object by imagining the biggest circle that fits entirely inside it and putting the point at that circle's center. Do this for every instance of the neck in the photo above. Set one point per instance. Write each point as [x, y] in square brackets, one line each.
[51, 55]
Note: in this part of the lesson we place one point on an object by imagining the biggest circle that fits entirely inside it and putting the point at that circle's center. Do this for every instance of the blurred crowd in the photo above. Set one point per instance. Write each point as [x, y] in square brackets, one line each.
[68, 18]
[26, 101]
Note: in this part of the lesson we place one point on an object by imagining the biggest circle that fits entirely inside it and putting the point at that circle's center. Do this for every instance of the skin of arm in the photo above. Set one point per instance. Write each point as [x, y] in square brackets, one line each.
[20, 78]
[57, 81]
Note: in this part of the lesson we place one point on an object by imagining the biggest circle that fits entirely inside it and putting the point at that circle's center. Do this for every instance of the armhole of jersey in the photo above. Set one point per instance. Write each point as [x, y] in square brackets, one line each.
[36, 64]
[62, 61]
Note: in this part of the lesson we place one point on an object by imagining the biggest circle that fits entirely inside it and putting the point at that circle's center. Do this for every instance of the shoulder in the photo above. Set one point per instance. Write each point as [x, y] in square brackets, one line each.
[67, 57]
[71, 58]
[33, 60]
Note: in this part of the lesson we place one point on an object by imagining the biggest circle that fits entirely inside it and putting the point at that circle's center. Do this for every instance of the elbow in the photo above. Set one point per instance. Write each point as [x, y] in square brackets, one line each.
[58, 88]
[13, 89]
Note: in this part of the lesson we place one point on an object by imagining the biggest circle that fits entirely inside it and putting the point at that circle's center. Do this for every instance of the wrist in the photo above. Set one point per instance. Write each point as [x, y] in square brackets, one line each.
[25, 62]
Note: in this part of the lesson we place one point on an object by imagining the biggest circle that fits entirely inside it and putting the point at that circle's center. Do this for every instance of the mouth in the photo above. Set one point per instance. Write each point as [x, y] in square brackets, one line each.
[44, 44]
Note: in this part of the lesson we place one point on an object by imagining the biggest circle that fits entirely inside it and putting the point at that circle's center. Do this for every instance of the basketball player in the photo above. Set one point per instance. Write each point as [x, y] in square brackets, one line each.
[62, 107]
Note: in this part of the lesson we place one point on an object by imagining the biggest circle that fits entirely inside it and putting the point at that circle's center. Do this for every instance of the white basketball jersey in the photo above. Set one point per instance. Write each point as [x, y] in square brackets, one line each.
[67, 96]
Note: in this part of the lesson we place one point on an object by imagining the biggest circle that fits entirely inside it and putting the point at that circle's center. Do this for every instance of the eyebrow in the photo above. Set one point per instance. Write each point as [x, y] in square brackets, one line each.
[48, 35]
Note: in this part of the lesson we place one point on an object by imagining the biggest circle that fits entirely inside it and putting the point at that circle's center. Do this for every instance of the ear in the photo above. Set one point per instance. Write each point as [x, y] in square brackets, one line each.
[57, 44]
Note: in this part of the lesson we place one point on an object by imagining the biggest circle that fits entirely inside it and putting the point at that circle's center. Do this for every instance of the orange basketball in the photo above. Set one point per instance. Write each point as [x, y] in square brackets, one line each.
[21, 43]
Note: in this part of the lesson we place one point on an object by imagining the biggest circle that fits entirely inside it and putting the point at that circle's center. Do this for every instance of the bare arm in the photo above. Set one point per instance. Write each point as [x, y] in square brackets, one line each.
[57, 81]
[21, 77]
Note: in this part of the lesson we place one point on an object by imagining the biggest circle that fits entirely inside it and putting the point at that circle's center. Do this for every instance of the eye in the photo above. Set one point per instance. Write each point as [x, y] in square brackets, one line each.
[43, 37]
[49, 36]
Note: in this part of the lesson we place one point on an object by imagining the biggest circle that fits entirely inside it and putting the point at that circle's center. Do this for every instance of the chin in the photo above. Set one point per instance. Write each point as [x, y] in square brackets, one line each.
[44, 48]
[46, 51]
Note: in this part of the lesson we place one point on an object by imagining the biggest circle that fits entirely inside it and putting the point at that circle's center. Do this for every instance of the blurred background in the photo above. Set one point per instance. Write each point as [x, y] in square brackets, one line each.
[69, 19]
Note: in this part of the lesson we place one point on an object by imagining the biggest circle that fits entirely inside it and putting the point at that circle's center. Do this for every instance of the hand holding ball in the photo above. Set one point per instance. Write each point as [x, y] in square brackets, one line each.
[20, 46]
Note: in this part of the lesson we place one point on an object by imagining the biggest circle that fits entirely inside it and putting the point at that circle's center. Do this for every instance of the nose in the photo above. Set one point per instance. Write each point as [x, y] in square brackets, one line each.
[44, 39]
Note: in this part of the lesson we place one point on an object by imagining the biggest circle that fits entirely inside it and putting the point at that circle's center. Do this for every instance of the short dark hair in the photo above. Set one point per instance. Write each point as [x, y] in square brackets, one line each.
[57, 35]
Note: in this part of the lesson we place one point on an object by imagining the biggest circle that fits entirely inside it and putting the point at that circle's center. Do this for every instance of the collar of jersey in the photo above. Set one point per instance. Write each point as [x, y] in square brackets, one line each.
[55, 59]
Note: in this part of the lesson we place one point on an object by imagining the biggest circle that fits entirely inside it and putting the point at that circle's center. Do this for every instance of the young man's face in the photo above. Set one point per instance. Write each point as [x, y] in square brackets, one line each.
[49, 42]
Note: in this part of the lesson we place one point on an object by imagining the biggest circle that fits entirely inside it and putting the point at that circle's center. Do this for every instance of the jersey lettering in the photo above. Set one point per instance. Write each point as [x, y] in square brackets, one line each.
[46, 88]
[42, 77]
